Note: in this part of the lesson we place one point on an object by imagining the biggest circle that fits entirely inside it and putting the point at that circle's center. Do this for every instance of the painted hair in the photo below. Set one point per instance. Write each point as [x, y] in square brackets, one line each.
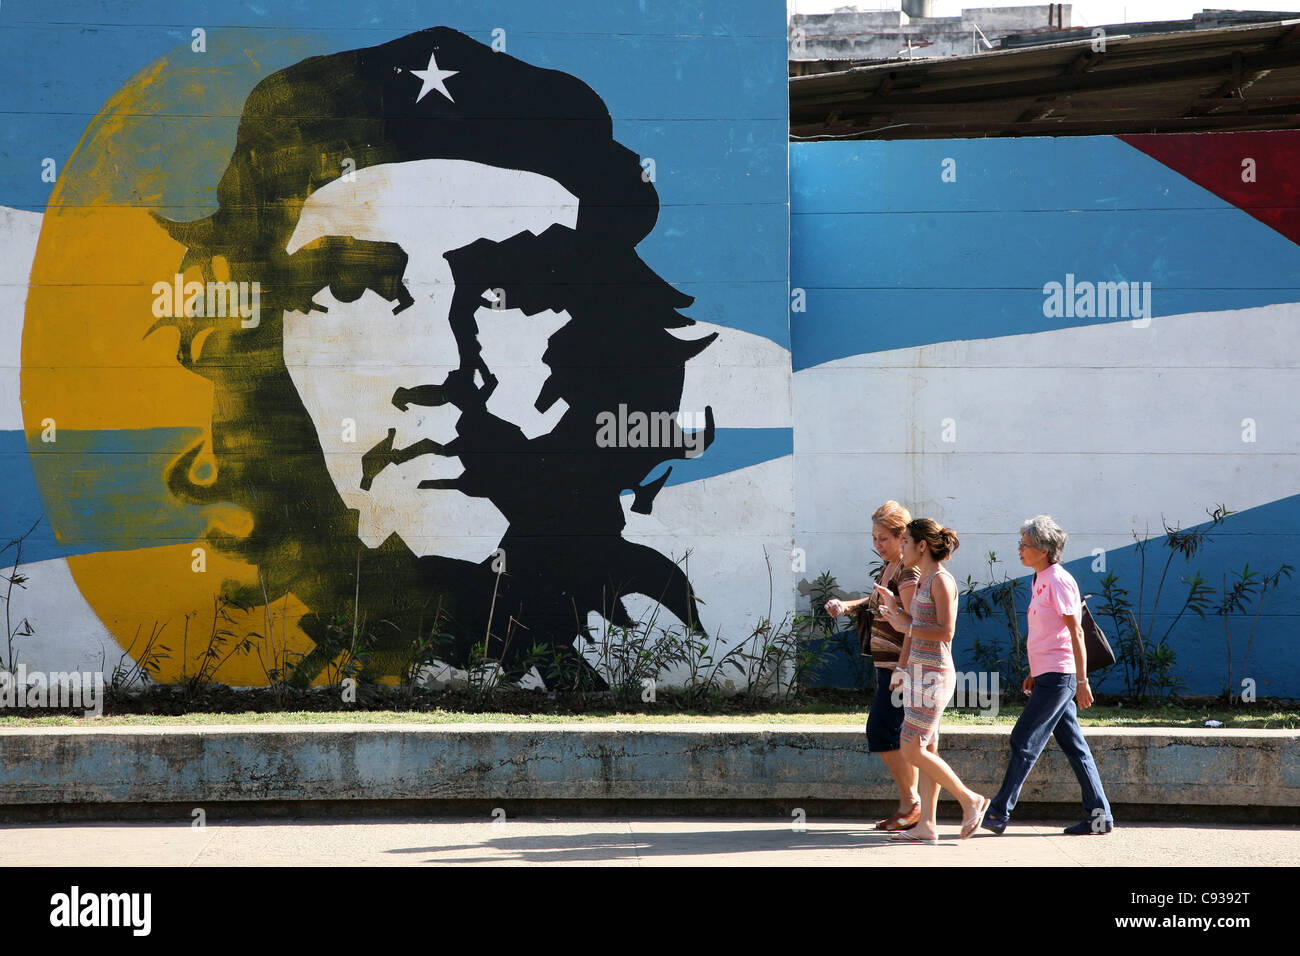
[941, 541]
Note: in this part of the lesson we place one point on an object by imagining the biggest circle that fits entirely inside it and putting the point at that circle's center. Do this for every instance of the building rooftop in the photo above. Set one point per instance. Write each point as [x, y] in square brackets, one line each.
[1122, 80]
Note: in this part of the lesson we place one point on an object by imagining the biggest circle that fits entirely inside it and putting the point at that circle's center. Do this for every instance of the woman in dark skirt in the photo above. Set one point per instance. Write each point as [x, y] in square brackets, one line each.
[885, 720]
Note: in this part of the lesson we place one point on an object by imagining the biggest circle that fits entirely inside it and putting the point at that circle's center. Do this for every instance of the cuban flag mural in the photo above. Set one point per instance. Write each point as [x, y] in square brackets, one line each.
[381, 319]
[1102, 329]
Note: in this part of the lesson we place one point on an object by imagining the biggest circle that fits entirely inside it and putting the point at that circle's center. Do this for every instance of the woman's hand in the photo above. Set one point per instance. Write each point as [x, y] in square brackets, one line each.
[1028, 685]
[1083, 694]
[835, 607]
[887, 603]
[896, 679]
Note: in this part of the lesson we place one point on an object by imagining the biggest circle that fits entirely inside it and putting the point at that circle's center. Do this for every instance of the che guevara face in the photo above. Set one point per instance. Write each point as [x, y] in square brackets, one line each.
[376, 360]
[394, 420]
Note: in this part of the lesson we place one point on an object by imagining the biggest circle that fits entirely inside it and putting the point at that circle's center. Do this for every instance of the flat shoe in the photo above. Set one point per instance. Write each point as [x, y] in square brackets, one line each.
[970, 826]
[903, 836]
[1087, 828]
[901, 821]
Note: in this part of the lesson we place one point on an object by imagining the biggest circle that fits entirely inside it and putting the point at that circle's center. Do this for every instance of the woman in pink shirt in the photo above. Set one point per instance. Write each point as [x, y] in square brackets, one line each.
[1057, 683]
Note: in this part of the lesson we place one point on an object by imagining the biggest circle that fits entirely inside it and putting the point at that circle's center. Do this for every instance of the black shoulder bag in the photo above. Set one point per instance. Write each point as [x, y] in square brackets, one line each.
[1095, 644]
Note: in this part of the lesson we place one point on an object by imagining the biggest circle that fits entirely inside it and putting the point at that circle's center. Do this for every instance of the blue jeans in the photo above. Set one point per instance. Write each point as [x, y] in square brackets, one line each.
[1050, 712]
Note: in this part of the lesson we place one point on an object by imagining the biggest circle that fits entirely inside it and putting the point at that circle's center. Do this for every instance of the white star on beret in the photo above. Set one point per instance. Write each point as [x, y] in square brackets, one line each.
[433, 78]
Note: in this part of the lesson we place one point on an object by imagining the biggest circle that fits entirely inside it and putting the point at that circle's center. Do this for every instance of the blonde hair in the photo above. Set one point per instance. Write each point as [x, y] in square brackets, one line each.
[892, 516]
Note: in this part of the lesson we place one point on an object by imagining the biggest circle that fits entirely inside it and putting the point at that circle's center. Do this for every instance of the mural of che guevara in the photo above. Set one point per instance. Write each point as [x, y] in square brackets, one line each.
[444, 239]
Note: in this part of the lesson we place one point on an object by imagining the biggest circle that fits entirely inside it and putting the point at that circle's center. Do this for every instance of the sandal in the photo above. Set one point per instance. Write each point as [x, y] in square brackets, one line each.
[904, 836]
[970, 826]
[901, 820]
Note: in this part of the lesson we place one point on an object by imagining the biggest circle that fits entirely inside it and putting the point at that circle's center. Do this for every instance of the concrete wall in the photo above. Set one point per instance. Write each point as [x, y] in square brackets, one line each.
[932, 367]
[191, 767]
[414, 432]
[172, 463]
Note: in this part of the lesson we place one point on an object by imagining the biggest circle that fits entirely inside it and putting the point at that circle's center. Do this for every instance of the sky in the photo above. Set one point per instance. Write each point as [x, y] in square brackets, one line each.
[1086, 12]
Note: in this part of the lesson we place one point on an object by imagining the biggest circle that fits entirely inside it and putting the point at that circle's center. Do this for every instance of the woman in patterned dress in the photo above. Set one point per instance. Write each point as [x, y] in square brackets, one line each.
[926, 676]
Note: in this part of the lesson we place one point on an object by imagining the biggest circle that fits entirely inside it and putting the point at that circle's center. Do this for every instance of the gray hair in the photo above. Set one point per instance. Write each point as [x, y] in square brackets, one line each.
[1046, 535]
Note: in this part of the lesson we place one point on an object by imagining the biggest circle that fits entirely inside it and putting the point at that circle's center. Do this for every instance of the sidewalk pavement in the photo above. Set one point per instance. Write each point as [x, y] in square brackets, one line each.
[624, 841]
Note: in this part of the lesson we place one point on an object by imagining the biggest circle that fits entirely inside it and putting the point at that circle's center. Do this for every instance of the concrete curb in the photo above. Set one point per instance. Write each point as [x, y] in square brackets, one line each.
[607, 762]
